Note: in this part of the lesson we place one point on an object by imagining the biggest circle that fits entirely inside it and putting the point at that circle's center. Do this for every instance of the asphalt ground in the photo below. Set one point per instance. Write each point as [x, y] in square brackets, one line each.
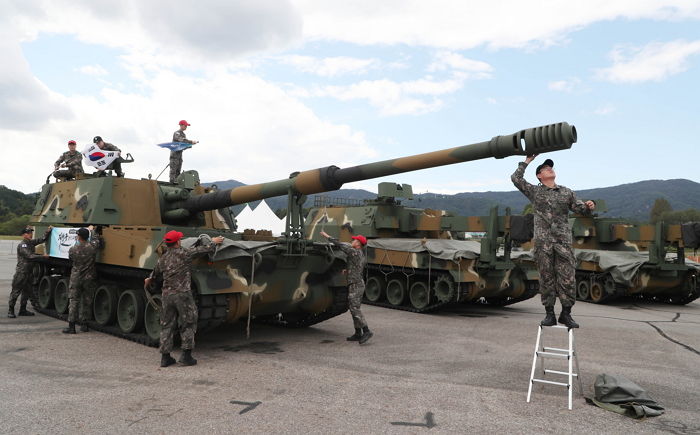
[463, 370]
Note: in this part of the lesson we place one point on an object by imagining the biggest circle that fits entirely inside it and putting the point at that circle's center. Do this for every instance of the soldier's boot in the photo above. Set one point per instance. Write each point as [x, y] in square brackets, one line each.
[11, 313]
[366, 335]
[84, 327]
[566, 319]
[356, 336]
[70, 329]
[186, 358]
[166, 360]
[24, 312]
[549, 319]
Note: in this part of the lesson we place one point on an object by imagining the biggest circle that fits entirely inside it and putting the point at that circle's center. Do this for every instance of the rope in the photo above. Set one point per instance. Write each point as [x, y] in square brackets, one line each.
[250, 295]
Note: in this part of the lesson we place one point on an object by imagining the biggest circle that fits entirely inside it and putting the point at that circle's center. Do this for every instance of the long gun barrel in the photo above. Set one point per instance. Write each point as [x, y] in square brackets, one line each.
[537, 140]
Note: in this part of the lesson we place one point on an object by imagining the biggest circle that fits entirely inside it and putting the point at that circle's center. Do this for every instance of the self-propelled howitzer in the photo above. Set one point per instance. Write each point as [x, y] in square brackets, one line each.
[293, 280]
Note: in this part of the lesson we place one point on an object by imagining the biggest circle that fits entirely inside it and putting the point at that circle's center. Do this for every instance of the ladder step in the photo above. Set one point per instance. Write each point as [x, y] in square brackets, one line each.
[544, 381]
[559, 373]
[557, 349]
[553, 355]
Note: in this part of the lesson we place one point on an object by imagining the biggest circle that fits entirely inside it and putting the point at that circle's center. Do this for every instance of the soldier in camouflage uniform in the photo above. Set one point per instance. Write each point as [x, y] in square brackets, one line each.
[72, 160]
[22, 279]
[356, 283]
[83, 279]
[176, 156]
[178, 307]
[553, 251]
[116, 163]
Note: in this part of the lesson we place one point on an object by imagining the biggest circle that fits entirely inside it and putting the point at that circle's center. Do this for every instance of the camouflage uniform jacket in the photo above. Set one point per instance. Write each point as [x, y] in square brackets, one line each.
[179, 136]
[356, 261]
[25, 252]
[551, 208]
[73, 160]
[82, 257]
[175, 268]
[110, 147]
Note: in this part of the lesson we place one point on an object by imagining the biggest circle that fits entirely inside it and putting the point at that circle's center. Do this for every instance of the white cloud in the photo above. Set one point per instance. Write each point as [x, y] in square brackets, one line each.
[445, 60]
[568, 85]
[458, 25]
[330, 66]
[92, 70]
[606, 109]
[653, 62]
[395, 98]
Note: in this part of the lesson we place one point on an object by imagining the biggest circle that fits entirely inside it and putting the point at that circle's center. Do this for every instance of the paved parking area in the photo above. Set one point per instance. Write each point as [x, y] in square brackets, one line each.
[463, 370]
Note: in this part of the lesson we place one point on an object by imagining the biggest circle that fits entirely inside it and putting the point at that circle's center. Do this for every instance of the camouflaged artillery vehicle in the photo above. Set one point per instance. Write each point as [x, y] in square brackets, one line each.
[416, 259]
[292, 280]
[619, 258]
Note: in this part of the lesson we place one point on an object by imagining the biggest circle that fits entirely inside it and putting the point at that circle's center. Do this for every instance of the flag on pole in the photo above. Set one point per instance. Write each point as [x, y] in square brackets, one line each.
[98, 158]
[175, 146]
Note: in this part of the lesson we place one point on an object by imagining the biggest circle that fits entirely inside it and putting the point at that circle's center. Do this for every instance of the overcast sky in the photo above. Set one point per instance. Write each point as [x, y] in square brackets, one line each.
[272, 87]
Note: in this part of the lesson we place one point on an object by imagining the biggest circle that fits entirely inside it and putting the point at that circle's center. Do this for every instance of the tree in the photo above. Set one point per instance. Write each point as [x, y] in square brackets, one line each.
[14, 226]
[527, 209]
[661, 205]
[680, 216]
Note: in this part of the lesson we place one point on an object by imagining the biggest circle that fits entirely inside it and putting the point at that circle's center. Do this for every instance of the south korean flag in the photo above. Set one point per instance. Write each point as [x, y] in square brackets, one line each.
[98, 158]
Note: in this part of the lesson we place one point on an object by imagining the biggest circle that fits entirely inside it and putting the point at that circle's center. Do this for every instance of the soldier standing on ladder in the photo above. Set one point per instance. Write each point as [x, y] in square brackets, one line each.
[553, 252]
[176, 156]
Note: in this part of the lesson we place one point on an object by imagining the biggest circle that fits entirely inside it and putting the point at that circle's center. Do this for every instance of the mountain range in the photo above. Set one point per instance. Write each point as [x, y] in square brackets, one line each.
[632, 201]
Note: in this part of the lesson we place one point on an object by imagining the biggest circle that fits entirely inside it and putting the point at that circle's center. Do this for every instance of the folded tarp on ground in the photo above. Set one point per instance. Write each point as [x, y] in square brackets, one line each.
[618, 394]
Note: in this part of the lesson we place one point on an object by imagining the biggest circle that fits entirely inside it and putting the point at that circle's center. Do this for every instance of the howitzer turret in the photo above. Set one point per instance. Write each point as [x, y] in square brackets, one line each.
[291, 280]
[553, 137]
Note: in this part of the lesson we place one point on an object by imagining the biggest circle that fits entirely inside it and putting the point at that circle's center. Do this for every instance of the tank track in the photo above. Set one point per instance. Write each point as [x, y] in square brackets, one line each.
[340, 305]
[508, 300]
[406, 306]
[118, 273]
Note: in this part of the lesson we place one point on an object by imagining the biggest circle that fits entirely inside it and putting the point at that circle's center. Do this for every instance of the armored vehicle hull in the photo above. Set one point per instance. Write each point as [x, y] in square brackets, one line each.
[413, 261]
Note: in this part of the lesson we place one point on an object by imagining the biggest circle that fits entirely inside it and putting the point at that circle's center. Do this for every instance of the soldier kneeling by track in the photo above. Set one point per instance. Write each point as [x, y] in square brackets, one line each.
[178, 308]
[83, 279]
[356, 284]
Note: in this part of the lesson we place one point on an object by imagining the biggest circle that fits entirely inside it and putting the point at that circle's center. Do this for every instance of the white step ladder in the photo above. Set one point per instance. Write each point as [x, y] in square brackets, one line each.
[552, 352]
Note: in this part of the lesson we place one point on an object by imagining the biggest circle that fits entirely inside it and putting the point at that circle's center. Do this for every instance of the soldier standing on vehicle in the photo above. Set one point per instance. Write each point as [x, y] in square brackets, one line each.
[72, 160]
[176, 156]
[356, 283]
[83, 279]
[178, 304]
[116, 163]
[22, 279]
[553, 251]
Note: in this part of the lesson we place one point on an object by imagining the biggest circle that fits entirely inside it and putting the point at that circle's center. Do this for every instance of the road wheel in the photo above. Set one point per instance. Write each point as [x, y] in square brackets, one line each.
[396, 291]
[597, 293]
[105, 304]
[419, 294]
[375, 288]
[444, 288]
[151, 318]
[45, 291]
[130, 311]
[583, 290]
[60, 296]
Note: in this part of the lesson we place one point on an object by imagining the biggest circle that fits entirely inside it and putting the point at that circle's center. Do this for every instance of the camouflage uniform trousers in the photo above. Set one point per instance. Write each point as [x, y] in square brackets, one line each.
[21, 284]
[175, 164]
[66, 173]
[556, 265]
[178, 308]
[354, 301]
[80, 296]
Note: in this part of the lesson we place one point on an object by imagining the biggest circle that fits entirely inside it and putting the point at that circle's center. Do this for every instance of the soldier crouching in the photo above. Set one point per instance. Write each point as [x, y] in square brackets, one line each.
[178, 308]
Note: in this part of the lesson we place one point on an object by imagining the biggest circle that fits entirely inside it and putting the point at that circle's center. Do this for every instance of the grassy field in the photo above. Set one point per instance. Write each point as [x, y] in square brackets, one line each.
[10, 237]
